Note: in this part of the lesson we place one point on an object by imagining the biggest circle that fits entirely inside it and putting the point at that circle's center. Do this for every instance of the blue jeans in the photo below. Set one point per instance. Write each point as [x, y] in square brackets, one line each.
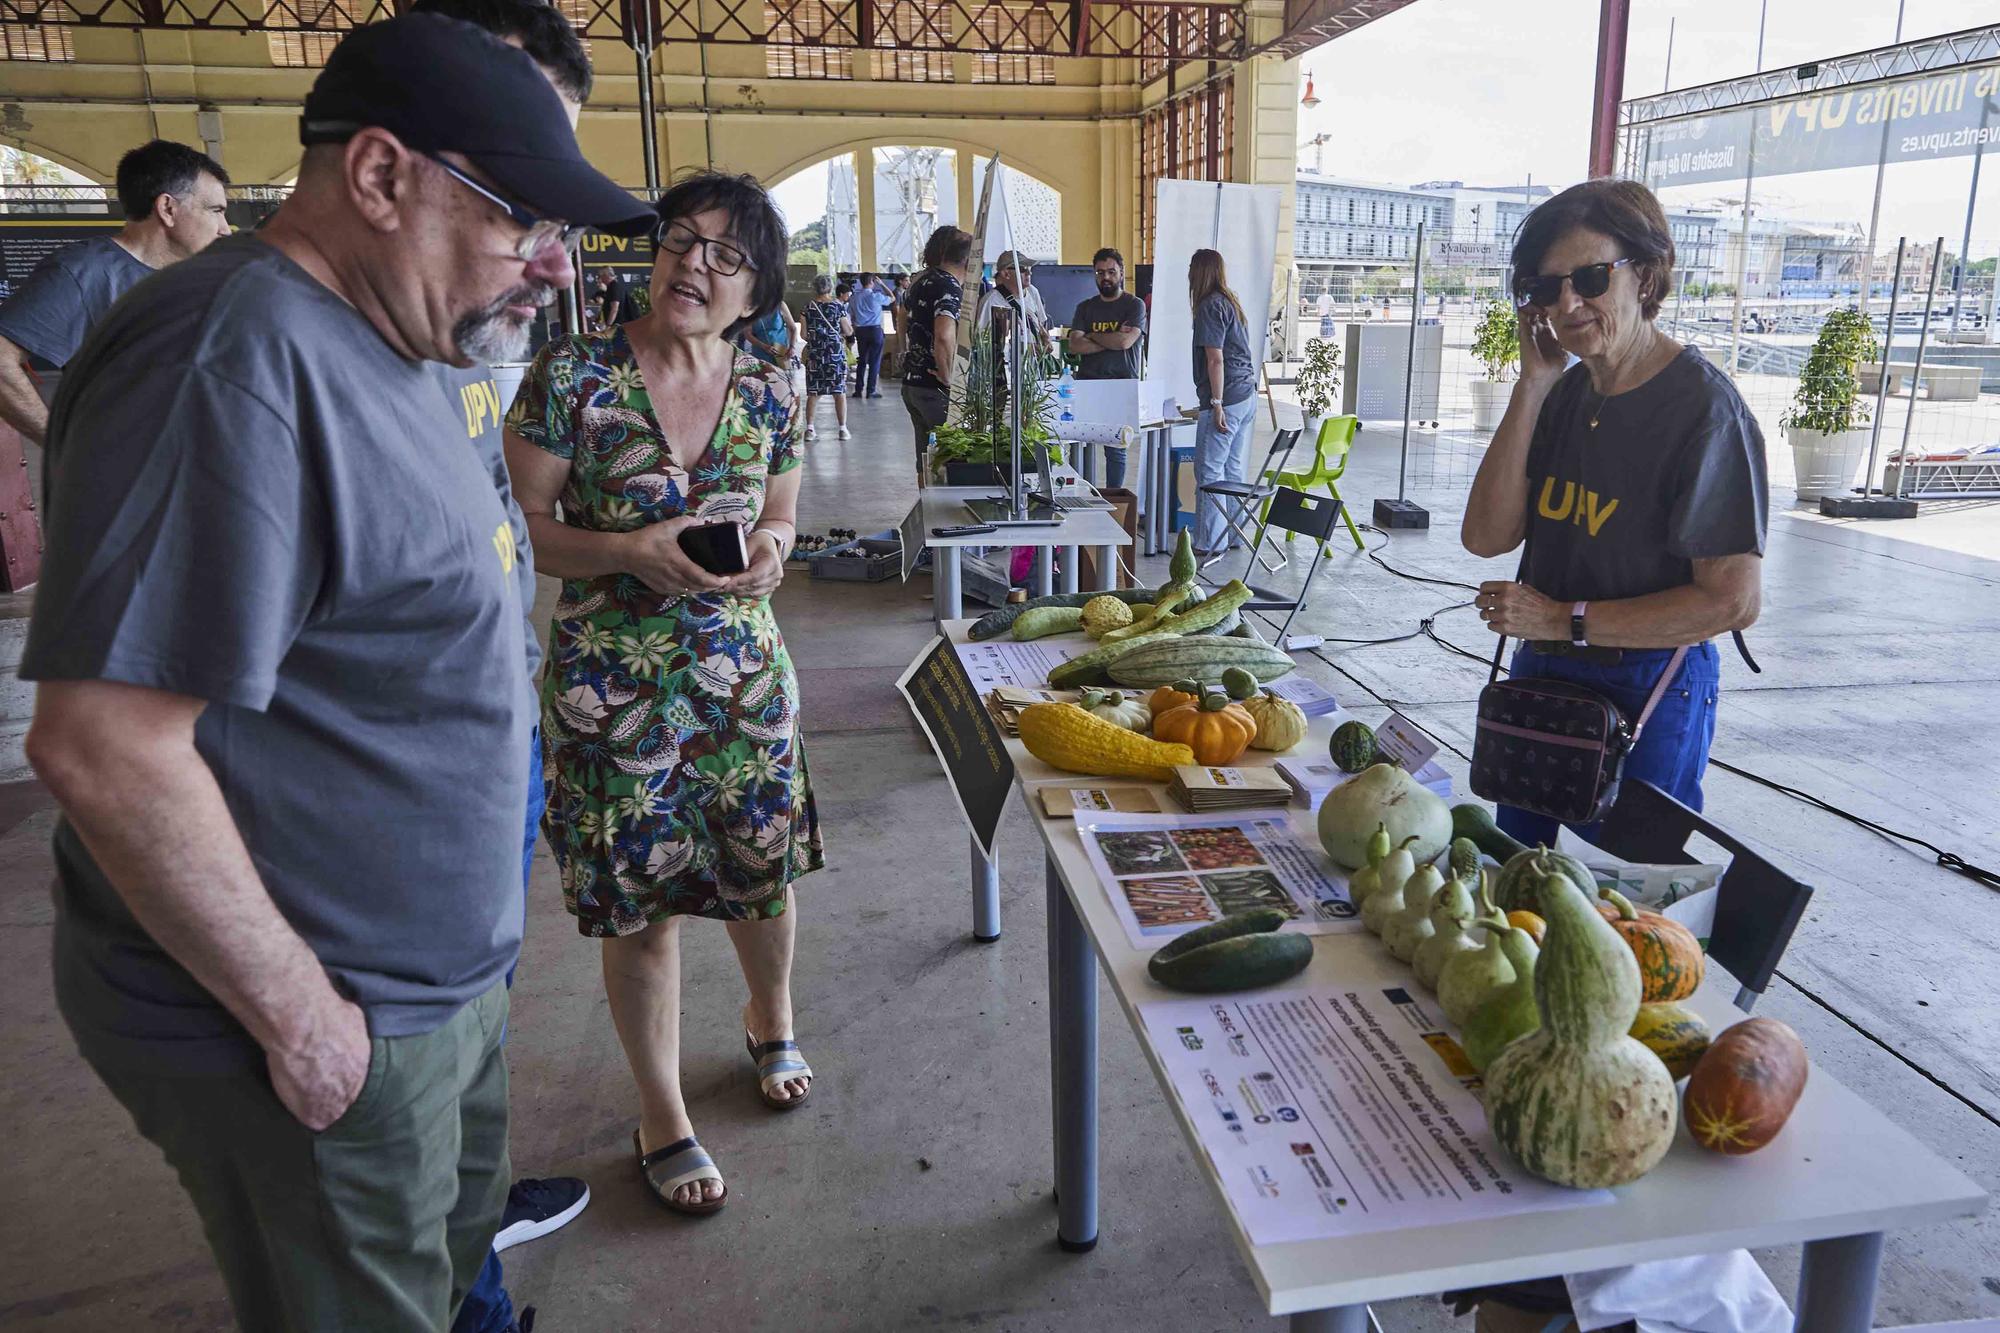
[1220, 456]
[1114, 466]
[487, 1308]
[1672, 752]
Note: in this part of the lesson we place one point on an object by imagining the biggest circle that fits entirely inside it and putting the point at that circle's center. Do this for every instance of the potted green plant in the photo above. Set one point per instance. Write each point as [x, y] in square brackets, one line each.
[1496, 345]
[1828, 419]
[1318, 387]
[973, 447]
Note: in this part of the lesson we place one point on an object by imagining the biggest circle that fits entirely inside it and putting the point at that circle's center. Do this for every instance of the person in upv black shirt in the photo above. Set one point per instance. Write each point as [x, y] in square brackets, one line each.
[1105, 333]
[1637, 478]
[933, 305]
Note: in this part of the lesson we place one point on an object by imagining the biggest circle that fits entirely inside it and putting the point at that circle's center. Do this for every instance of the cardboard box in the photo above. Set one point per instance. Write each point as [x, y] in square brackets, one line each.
[1125, 511]
[1493, 1317]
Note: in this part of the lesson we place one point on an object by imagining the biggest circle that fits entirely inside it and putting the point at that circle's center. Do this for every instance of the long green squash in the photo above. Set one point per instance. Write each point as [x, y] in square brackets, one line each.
[1172, 657]
[996, 623]
[1579, 1102]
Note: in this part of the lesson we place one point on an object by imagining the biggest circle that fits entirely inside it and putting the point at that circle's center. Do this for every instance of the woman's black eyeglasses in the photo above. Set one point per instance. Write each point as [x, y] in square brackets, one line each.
[678, 238]
[1547, 289]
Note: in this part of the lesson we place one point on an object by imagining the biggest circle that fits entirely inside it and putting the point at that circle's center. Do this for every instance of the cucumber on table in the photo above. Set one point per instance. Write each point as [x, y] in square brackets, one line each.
[1242, 951]
[995, 623]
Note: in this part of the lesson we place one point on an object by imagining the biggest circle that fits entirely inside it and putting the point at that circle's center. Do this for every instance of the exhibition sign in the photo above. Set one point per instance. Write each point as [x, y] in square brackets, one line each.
[1952, 114]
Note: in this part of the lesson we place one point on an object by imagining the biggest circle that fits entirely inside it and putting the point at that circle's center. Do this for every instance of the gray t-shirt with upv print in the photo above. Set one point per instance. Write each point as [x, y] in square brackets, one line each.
[255, 502]
[1673, 472]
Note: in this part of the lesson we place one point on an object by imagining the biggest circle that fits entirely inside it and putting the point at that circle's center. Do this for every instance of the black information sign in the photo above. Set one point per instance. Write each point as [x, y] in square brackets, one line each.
[967, 740]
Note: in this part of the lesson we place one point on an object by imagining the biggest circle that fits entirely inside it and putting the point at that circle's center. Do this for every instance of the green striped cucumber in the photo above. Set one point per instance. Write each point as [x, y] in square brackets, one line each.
[1164, 661]
[995, 623]
[1251, 921]
[1093, 668]
[1241, 962]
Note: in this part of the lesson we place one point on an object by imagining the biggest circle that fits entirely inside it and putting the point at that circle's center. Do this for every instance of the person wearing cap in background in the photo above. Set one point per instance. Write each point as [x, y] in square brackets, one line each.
[281, 701]
[174, 207]
[1013, 292]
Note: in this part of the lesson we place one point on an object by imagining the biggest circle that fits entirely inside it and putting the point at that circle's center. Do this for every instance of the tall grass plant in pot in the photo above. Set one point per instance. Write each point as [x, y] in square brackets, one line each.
[1827, 424]
[1318, 387]
[1496, 345]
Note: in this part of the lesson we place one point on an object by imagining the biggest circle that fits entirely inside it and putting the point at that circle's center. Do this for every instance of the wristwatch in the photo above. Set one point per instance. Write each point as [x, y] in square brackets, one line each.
[1576, 611]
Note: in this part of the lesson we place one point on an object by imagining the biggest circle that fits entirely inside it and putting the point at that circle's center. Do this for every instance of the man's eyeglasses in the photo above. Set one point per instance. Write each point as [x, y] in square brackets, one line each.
[1547, 289]
[539, 231]
[677, 238]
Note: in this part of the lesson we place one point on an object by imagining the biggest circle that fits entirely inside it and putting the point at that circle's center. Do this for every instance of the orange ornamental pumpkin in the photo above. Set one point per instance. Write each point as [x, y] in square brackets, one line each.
[1671, 964]
[1537, 928]
[1174, 695]
[1744, 1086]
[1217, 730]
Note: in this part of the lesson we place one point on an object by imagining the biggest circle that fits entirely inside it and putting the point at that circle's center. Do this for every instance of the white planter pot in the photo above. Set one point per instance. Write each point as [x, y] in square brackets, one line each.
[1302, 455]
[1827, 464]
[1489, 402]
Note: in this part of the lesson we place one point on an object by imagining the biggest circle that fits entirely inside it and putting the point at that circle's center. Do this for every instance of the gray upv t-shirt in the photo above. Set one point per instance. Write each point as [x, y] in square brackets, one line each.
[476, 394]
[69, 291]
[1216, 324]
[1672, 473]
[254, 501]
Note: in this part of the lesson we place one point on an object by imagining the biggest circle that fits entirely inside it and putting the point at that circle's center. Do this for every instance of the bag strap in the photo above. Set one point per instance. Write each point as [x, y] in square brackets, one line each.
[1500, 648]
[1659, 688]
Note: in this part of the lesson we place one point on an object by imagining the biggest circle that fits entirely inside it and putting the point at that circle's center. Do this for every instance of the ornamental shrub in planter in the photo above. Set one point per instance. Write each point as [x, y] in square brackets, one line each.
[1828, 419]
[1319, 386]
[1496, 345]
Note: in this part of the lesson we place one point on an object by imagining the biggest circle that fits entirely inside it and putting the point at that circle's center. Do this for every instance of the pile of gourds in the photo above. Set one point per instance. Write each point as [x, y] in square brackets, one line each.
[1568, 1002]
[1115, 734]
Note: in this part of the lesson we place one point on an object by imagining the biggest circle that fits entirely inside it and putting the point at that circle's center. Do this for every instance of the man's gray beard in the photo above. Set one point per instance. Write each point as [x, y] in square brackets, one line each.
[492, 335]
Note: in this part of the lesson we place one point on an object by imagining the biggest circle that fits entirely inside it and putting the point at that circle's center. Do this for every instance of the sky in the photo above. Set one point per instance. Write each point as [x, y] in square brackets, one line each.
[1504, 91]
[1498, 91]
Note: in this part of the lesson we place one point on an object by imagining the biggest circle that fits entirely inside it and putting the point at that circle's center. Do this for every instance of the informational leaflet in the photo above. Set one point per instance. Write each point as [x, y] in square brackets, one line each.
[998, 662]
[1330, 1112]
[1167, 874]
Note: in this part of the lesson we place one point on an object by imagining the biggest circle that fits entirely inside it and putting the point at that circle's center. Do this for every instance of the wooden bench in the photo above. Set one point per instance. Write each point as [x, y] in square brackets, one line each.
[1941, 383]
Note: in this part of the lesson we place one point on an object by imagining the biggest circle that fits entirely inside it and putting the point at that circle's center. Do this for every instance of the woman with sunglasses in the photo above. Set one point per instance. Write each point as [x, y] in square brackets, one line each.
[1636, 478]
[670, 710]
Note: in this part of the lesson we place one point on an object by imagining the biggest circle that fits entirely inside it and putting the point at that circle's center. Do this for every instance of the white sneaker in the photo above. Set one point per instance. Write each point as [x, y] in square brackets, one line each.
[846, 434]
[812, 431]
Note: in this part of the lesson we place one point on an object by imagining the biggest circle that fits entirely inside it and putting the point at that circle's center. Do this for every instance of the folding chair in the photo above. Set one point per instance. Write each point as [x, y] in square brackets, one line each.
[1236, 499]
[1294, 512]
[1757, 906]
[1336, 437]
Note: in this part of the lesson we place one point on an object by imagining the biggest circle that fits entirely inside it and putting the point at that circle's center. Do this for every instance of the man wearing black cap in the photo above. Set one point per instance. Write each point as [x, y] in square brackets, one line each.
[281, 699]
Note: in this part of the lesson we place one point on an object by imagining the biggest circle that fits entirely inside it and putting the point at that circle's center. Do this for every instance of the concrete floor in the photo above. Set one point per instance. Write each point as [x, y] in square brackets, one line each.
[914, 1192]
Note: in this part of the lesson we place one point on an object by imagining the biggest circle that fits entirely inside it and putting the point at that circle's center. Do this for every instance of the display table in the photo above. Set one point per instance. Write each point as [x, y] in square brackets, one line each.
[944, 507]
[1838, 1177]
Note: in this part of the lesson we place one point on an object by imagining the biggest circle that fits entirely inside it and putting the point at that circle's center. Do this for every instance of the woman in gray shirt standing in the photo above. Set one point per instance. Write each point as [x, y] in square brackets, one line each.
[1225, 385]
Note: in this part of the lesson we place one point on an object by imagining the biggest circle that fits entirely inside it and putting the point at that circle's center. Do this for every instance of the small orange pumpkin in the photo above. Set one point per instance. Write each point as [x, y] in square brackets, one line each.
[1528, 921]
[1174, 695]
[1217, 730]
[1671, 964]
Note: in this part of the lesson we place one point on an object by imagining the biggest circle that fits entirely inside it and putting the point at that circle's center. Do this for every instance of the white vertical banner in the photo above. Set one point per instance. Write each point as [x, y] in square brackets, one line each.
[1240, 221]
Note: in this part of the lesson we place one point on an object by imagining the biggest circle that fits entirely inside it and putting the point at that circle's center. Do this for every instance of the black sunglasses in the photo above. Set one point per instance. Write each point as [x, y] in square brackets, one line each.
[1546, 289]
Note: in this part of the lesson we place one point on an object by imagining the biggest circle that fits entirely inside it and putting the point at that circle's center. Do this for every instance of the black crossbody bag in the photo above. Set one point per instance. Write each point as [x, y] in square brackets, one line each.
[1553, 747]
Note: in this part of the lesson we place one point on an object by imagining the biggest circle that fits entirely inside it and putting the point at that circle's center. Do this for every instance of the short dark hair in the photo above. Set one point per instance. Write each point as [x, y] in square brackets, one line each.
[865, 278]
[753, 219]
[543, 31]
[947, 245]
[161, 167]
[1626, 211]
[1107, 253]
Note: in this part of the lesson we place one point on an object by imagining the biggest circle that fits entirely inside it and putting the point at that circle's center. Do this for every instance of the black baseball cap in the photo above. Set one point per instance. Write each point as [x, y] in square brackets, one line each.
[440, 85]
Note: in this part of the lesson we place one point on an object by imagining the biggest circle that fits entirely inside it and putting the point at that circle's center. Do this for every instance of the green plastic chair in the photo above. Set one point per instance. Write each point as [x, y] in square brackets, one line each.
[1336, 437]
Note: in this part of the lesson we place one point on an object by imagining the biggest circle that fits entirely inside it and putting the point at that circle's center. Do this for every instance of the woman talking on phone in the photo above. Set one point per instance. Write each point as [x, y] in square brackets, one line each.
[670, 710]
[1636, 477]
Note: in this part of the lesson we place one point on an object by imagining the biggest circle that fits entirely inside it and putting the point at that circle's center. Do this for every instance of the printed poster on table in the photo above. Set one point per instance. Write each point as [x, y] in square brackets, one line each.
[1026, 665]
[1329, 1112]
[1167, 874]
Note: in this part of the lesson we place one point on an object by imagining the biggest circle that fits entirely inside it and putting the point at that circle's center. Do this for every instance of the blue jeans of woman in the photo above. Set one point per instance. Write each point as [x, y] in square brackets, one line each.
[1220, 455]
[487, 1308]
[1672, 752]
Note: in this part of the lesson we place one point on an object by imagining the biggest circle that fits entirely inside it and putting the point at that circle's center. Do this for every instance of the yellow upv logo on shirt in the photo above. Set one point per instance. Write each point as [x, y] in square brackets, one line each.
[481, 401]
[1579, 506]
[503, 546]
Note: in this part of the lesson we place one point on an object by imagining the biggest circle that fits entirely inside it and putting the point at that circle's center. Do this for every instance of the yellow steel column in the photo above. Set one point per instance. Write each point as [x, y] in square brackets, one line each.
[968, 188]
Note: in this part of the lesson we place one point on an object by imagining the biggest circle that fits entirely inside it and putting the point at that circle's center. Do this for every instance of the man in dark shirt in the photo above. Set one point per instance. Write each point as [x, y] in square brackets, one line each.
[174, 207]
[1105, 333]
[934, 303]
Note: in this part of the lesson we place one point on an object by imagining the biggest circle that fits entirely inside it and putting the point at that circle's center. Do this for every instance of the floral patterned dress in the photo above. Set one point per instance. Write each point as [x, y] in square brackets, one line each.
[677, 782]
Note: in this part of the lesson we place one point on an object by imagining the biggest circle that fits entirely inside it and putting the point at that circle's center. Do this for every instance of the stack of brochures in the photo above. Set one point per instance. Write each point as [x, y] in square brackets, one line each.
[1313, 699]
[1203, 789]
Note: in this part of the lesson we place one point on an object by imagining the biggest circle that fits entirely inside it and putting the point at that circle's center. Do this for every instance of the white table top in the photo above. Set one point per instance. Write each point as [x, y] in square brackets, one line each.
[1839, 1168]
[944, 507]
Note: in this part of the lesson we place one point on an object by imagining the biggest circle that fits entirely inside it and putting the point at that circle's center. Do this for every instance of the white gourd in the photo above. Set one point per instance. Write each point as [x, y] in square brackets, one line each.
[1469, 978]
[1451, 921]
[1412, 925]
[1367, 879]
[1387, 900]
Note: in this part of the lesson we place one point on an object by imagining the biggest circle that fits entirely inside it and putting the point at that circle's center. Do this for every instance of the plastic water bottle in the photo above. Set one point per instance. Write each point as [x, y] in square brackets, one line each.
[1064, 392]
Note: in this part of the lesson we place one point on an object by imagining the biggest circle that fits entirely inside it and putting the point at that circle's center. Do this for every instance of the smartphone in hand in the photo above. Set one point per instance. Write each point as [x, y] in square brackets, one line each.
[716, 547]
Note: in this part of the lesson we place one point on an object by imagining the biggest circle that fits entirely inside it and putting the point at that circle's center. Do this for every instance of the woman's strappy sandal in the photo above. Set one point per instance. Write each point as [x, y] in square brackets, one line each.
[778, 1063]
[683, 1162]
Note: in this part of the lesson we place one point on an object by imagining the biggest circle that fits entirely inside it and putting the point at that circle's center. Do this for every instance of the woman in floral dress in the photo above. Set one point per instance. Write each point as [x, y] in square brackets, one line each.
[827, 330]
[670, 710]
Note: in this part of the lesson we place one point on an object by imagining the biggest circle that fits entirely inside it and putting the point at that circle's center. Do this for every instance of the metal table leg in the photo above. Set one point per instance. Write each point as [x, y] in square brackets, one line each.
[947, 592]
[1107, 568]
[1343, 1319]
[1075, 1006]
[985, 896]
[1045, 561]
[1053, 895]
[1837, 1284]
[1069, 571]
